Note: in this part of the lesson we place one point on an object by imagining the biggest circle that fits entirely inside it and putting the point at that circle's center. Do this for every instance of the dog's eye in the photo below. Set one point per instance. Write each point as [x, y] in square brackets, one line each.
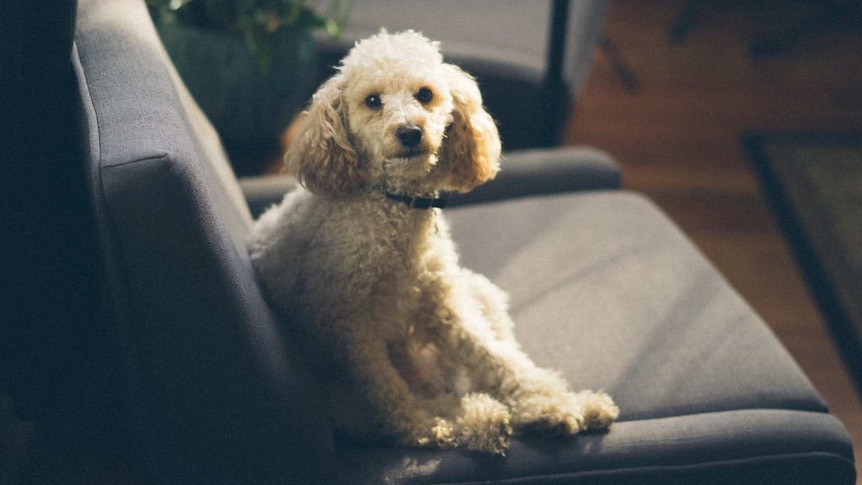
[373, 101]
[424, 95]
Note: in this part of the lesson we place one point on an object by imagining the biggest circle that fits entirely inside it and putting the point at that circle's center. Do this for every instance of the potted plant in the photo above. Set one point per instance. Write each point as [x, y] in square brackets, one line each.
[250, 64]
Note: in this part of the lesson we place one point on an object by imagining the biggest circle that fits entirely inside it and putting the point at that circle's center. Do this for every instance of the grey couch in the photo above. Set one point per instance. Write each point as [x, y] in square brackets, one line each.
[186, 370]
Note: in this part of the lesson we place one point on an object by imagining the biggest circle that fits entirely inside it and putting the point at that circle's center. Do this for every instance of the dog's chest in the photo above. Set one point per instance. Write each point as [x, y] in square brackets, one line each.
[386, 243]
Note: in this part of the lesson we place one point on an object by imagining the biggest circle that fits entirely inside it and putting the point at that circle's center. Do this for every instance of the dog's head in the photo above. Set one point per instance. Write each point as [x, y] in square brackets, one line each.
[395, 116]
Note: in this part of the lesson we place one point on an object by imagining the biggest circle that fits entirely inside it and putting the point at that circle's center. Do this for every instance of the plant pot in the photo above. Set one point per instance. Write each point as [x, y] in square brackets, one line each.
[248, 106]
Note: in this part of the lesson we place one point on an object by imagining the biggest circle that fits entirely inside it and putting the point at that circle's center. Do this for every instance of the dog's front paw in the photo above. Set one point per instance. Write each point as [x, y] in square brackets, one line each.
[598, 409]
[440, 435]
[566, 413]
[558, 414]
[484, 424]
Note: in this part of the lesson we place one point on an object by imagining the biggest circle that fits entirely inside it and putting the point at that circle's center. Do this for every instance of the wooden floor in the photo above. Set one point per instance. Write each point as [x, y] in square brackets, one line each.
[677, 139]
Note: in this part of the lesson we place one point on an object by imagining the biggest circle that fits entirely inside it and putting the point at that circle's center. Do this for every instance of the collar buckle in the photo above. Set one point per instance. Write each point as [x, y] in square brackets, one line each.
[416, 202]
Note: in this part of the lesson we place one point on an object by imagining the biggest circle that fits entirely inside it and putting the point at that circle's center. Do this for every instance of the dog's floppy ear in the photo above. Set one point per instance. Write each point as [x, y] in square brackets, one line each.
[321, 155]
[470, 154]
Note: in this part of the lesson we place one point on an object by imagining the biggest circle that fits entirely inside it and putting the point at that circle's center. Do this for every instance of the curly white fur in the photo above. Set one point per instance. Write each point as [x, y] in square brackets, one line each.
[413, 345]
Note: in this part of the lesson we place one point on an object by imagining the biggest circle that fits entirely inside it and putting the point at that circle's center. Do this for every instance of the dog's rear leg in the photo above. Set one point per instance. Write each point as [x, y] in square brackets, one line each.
[409, 420]
[483, 424]
[539, 399]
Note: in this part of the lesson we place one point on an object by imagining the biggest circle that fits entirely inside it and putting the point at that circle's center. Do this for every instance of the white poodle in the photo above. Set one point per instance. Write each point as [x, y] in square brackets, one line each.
[407, 343]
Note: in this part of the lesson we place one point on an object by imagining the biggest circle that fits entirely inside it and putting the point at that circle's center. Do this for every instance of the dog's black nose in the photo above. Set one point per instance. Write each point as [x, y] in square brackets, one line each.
[409, 135]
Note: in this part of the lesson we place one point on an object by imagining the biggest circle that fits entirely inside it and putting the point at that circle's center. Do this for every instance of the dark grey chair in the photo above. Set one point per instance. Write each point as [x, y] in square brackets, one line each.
[191, 374]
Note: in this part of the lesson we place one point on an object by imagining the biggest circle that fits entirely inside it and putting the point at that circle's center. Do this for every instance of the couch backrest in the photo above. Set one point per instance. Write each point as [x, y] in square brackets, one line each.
[215, 393]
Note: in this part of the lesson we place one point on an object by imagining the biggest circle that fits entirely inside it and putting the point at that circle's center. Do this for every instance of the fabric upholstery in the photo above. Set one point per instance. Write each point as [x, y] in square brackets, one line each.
[744, 447]
[210, 387]
[671, 336]
[528, 173]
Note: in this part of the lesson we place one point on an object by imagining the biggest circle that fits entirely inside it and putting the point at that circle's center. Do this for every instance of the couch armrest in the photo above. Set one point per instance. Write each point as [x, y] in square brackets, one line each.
[542, 172]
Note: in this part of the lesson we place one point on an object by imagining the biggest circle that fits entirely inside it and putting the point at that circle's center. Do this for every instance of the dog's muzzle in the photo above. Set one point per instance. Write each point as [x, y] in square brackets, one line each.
[409, 135]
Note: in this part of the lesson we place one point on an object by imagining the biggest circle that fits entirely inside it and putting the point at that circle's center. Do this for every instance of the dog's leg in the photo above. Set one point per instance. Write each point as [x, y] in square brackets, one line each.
[413, 423]
[493, 302]
[539, 399]
[483, 424]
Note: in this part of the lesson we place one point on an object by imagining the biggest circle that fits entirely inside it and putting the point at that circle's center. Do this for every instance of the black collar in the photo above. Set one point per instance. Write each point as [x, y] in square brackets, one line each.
[418, 202]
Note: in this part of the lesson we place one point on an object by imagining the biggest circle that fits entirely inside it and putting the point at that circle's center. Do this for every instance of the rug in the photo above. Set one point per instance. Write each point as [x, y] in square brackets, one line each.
[813, 183]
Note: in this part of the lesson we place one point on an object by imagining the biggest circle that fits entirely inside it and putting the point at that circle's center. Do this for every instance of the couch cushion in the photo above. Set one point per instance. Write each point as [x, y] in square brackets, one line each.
[650, 320]
[605, 289]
